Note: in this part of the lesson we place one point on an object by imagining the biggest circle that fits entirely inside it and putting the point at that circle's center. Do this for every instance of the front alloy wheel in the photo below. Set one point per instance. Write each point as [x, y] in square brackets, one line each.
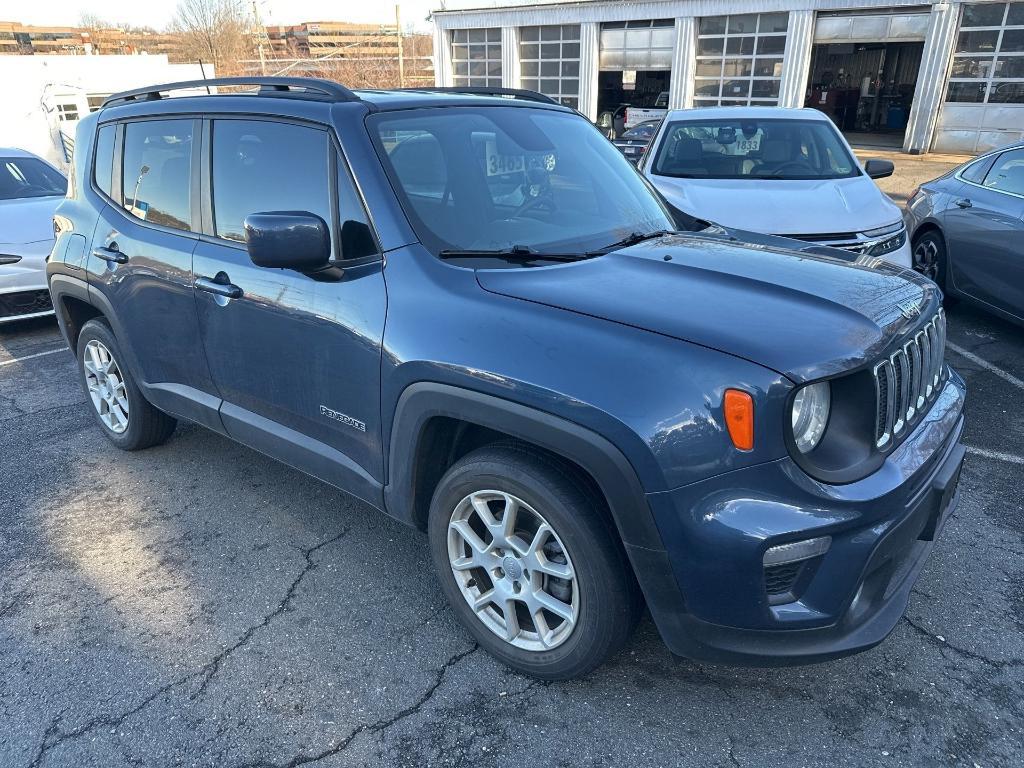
[106, 386]
[530, 561]
[513, 570]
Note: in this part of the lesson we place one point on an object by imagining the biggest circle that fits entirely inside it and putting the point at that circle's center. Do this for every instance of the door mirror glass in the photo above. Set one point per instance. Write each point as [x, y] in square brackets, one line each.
[296, 240]
[877, 168]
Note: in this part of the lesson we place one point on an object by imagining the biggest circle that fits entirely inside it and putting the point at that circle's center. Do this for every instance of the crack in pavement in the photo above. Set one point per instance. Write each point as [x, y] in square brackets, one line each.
[379, 726]
[213, 667]
[208, 671]
[1008, 664]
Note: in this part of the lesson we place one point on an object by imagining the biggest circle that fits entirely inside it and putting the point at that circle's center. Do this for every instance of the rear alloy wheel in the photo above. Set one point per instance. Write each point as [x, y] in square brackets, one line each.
[529, 558]
[128, 420]
[106, 386]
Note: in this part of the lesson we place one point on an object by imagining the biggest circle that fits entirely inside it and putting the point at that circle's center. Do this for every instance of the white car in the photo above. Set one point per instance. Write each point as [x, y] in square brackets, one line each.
[776, 171]
[30, 190]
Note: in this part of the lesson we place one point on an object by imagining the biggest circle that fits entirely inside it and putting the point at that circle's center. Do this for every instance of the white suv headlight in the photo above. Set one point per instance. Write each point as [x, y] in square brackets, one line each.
[810, 411]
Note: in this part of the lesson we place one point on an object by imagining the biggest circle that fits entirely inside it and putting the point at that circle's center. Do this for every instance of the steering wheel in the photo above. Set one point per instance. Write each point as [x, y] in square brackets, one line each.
[540, 203]
[788, 164]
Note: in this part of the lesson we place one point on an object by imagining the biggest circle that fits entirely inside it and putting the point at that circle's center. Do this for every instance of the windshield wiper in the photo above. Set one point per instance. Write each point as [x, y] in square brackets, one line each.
[520, 252]
[631, 239]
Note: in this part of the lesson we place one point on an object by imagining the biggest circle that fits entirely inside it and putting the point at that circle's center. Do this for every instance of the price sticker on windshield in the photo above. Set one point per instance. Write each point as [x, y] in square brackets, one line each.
[500, 165]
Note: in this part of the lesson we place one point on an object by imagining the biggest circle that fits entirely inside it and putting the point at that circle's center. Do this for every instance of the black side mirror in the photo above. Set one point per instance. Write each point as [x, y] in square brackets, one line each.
[296, 240]
[877, 168]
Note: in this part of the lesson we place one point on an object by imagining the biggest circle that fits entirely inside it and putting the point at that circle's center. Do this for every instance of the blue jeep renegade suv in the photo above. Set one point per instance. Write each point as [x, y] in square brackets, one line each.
[468, 310]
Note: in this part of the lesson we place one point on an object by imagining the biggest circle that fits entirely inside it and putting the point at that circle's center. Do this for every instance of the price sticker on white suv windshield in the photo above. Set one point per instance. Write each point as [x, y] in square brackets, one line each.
[499, 165]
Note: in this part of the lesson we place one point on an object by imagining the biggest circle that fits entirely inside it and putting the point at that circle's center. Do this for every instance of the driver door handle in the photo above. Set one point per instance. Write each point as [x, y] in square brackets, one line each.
[110, 254]
[227, 290]
[963, 202]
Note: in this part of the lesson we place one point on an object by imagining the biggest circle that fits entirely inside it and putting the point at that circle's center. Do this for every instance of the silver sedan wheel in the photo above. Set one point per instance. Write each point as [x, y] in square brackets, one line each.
[926, 258]
[513, 570]
[106, 386]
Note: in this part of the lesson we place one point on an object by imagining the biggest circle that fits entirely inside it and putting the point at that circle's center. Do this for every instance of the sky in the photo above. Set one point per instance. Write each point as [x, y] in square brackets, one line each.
[157, 13]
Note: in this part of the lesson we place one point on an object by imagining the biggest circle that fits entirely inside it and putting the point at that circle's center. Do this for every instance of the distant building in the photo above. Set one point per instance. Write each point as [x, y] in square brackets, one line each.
[924, 75]
[46, 95]
[26, 40]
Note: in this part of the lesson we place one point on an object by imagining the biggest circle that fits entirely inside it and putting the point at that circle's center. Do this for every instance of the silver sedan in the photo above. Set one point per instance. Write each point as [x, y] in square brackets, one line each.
[967, 231]
[30, 189]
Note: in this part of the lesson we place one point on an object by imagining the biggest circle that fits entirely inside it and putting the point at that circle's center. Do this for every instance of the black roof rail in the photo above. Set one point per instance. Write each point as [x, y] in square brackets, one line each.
[324, 90]
[516, 93]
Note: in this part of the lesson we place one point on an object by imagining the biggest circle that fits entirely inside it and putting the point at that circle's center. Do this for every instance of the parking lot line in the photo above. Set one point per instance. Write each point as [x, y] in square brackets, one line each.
[998, 455]
[986, 365]
[14, 360]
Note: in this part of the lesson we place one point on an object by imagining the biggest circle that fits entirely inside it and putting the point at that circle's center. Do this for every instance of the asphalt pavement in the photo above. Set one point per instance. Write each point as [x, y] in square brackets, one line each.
[198, 604]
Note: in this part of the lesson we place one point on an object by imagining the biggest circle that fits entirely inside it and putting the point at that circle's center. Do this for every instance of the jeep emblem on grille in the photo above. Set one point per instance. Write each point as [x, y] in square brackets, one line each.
[910, 309]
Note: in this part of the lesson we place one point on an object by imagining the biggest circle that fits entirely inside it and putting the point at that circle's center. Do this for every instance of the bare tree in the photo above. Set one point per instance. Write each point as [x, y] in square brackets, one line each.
[215, 31]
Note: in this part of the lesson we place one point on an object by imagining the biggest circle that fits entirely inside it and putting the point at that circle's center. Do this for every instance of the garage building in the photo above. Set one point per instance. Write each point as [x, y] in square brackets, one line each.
[939, 77]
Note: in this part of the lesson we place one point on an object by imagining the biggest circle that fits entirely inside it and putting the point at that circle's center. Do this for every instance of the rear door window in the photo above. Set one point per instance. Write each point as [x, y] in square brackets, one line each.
[1007, 174]
[261, 166]
[157, 171]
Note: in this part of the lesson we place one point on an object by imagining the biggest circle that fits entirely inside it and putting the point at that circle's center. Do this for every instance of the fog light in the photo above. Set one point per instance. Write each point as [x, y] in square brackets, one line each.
[796, 551]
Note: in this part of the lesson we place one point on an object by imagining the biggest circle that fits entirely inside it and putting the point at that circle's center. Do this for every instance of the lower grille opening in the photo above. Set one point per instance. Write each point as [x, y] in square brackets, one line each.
[779, 580]
[24, 303]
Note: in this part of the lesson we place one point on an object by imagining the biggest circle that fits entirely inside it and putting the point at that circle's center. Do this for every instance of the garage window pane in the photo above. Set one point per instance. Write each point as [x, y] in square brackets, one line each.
[1006, 93]
[983, 15]
[966, 92]
[990, 29]
[1009, 67]
[478, 62]
[556, 60]
[730, 58]
[977, 42]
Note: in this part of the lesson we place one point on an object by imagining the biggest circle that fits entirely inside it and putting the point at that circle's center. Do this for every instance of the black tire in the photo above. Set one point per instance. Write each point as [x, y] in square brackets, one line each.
[610, 603]
[146, 425]
[931, 260]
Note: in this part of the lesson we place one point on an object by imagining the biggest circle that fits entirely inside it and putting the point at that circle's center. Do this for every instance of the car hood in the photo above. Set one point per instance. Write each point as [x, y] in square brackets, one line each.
[803, 315]
[783, 207]
[28, 219]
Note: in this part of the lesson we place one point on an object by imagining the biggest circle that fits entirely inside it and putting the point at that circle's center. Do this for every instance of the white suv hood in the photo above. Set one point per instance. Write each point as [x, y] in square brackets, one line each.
[783, 207]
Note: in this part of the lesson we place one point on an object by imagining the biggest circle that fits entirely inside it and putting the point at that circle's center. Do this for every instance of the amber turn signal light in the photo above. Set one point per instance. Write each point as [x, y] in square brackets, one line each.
[739, 418]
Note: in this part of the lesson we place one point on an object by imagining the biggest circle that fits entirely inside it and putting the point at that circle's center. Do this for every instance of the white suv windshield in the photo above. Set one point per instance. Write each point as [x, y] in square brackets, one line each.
[768, 149]
[493, 178]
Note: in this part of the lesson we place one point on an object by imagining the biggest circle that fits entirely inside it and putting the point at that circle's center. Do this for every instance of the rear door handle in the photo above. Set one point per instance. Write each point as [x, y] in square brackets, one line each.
[963, 202]
[227, 290]
[110, 254]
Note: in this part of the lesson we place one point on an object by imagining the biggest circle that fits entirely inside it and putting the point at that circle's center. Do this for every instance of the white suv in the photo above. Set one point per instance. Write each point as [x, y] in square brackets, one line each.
[785, 172]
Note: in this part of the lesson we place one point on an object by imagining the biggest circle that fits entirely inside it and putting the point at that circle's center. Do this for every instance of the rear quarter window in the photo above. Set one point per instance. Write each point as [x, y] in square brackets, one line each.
[103, 168]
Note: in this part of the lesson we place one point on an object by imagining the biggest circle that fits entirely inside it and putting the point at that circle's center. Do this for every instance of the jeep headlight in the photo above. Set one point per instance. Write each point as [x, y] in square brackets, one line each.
[811, 406]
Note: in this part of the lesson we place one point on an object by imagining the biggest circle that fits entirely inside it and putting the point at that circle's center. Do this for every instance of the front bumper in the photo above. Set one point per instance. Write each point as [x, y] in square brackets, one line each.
[882, 528]
[23, 290]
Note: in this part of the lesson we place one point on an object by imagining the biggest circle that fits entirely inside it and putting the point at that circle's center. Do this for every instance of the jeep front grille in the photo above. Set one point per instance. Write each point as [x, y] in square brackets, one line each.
[908, 380]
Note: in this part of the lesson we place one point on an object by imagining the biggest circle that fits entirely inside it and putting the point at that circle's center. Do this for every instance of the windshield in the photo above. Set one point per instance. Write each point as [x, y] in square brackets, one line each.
[642, 131]
[737, 148]
[29, 177]
[493, 178]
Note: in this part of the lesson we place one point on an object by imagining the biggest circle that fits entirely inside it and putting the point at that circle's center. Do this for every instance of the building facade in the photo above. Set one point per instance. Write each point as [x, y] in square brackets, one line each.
[940, 76]
[45, 96]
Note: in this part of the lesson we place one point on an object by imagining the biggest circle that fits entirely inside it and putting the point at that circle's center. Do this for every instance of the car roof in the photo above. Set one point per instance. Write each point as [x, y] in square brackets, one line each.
[15, 152]
[282, 89]
[749, 113]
